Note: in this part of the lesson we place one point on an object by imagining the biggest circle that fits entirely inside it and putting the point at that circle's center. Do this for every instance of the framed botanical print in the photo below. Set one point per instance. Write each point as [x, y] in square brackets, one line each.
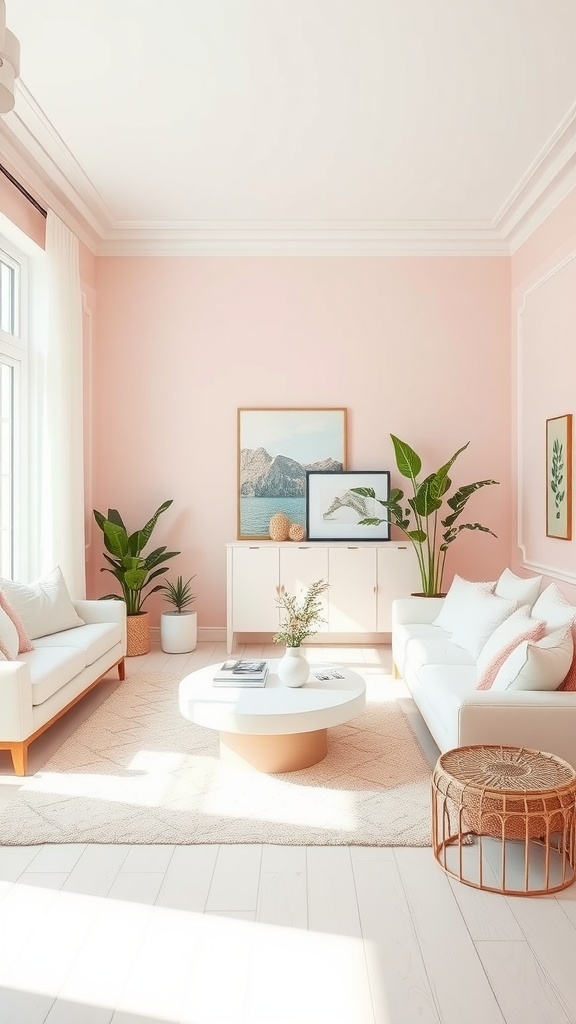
[559, 477]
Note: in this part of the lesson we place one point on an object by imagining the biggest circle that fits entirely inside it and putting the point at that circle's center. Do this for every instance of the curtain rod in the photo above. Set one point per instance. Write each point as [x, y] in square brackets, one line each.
[24, 192]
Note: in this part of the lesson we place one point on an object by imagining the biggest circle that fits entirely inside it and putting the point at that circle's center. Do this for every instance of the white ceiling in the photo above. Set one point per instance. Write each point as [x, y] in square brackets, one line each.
[182, 122]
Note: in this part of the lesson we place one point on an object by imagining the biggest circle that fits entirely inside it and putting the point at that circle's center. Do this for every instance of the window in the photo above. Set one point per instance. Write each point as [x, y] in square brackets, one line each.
[13, 391]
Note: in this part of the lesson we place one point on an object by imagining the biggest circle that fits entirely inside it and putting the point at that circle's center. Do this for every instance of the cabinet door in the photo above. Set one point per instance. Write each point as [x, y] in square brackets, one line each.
[352, 593]
[301, 565]
[255, 576]
[398, 576]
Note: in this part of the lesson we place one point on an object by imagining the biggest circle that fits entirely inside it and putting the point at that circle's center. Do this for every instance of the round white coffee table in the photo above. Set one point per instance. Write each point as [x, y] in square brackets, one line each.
[273, 728]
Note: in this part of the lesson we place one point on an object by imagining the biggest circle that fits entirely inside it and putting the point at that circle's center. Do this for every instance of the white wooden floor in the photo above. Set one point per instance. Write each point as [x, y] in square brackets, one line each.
[265, 934]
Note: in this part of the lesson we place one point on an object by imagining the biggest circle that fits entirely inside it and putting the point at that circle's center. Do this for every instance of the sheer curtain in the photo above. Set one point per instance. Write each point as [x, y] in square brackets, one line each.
[62, 456]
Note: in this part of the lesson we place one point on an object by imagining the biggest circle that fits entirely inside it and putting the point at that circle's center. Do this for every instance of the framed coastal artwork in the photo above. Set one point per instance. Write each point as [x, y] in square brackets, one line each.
[559, 477]
[334, 511]
[276, 448]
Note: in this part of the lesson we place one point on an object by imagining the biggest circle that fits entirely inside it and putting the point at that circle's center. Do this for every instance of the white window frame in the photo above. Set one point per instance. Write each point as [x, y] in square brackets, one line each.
[14, 352]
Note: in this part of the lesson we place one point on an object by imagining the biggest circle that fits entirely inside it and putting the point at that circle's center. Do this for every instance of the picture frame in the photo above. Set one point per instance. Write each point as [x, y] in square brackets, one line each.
[333, 512]
[276, 448]
[559, 477]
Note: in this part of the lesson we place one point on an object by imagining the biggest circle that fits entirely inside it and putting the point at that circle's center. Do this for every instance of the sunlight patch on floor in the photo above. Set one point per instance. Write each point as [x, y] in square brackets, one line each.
[125, 956]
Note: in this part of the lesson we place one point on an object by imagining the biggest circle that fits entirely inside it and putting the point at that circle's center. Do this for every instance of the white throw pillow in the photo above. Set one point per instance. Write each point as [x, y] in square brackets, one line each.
[460, 592]
[44, 605]
[517, 627]
[537, 666]
[8, 636]
[516, 588]
[480, 615]
[555, 609]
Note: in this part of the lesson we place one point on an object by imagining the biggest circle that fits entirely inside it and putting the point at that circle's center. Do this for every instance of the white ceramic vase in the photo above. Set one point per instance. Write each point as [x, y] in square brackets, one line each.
[178, 632]
[293, 669]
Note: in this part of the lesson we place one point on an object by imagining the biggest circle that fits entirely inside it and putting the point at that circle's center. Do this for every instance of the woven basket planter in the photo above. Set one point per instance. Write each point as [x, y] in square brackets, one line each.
[138, 634]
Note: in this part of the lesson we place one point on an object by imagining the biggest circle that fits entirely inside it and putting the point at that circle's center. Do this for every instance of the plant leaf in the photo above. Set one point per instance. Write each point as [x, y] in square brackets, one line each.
[458, 500]
[408, 462]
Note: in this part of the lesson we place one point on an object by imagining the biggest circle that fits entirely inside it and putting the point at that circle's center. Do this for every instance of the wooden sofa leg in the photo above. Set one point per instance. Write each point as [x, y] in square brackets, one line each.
[395, 672]
[19, 753]
[122, 669]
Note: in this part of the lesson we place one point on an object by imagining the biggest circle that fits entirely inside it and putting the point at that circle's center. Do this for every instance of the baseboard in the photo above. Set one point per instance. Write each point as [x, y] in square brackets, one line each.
[217, 635]
[209, 634]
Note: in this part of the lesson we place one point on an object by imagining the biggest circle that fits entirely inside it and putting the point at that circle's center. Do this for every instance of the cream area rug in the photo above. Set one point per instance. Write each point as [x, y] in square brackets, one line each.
[136, 771]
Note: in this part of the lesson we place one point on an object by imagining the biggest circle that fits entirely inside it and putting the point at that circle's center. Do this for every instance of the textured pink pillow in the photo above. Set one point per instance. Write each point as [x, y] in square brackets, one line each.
[570, 681]
[4, 652]
[24, 642]
[532, 633]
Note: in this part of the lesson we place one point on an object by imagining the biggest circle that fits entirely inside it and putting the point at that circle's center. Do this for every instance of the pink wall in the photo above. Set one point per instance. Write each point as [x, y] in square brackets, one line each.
[543, 332]
[414, 345]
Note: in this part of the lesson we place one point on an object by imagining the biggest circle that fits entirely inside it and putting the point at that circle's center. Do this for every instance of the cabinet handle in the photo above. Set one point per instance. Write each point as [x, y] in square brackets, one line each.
[254, 547]
[353, 547]
[303, 547]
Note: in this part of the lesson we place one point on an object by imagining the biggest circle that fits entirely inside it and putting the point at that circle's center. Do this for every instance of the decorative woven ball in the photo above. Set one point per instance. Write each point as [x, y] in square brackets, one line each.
[279, 526]
[296, 532]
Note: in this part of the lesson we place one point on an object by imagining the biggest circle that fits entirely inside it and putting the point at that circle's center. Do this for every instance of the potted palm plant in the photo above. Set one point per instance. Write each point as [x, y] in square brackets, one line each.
[179, 627]
[301, 619]
[419, 516]
[134, 571]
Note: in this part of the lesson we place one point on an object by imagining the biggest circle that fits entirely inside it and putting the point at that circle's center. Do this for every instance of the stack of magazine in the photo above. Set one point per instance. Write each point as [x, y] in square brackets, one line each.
[241, 673]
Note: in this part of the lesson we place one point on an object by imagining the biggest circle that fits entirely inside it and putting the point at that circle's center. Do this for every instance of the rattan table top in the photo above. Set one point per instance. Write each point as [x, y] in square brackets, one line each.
[501, 769]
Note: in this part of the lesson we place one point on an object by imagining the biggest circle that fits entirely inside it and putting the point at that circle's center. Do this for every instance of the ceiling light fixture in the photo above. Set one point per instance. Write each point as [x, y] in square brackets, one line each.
[9, 62]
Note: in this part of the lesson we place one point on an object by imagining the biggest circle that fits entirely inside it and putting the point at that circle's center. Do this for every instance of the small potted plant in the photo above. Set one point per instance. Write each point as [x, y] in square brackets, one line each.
[179, 627]
[302, 617]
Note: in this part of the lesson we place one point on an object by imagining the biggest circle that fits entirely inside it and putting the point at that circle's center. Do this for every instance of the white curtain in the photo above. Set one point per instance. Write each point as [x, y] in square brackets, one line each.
[62, 446]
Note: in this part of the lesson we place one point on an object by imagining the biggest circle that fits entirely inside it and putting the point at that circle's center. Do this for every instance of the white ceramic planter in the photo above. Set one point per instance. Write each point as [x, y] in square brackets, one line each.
[178, 632]
[293, 669]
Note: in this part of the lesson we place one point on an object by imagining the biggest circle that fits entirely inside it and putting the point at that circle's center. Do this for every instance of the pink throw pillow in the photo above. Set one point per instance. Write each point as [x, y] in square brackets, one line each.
[24, 642]
[570, 681]
[532, 633]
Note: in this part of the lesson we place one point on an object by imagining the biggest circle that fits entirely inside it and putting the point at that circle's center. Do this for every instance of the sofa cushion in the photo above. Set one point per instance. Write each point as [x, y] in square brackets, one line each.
[524, 590]
[537, 666]
[436, 650]
[439, 692]
[408, 631]
[44, 606]
[51, 668]
[505, 638]
[456, 600]
[482, 614]
[554, 608]
[94, 638]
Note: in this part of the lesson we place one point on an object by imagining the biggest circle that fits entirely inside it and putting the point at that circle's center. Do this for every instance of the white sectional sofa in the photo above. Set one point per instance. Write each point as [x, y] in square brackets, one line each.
[443, 676]
[38, 686]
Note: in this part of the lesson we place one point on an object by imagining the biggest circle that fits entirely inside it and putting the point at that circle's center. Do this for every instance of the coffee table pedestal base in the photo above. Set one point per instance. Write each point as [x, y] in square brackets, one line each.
[274, 754]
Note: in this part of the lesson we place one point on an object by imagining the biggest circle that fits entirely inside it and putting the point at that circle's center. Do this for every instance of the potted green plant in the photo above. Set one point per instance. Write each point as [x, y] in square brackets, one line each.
[133, 570]
[419, 516]
[179, 627]
[301, 618]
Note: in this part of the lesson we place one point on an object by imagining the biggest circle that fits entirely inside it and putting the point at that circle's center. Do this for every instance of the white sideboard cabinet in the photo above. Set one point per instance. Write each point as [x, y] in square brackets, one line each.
[364, 579]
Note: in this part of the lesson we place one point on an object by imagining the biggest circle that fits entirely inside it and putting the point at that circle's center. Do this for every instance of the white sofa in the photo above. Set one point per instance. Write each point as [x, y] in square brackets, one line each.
[38, 687]
[442, 679]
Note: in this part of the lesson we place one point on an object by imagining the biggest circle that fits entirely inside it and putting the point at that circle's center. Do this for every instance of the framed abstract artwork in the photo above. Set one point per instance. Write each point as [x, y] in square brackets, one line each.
[559, 477]
[335, 512]
[276, 448]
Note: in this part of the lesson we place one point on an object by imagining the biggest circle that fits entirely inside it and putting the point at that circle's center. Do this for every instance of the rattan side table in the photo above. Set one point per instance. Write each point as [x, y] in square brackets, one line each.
[524, 798]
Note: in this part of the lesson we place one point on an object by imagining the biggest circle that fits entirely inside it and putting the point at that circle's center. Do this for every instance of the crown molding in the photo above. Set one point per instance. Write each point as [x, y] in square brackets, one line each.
[301, 238]
[41, 160]
[548, 180]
